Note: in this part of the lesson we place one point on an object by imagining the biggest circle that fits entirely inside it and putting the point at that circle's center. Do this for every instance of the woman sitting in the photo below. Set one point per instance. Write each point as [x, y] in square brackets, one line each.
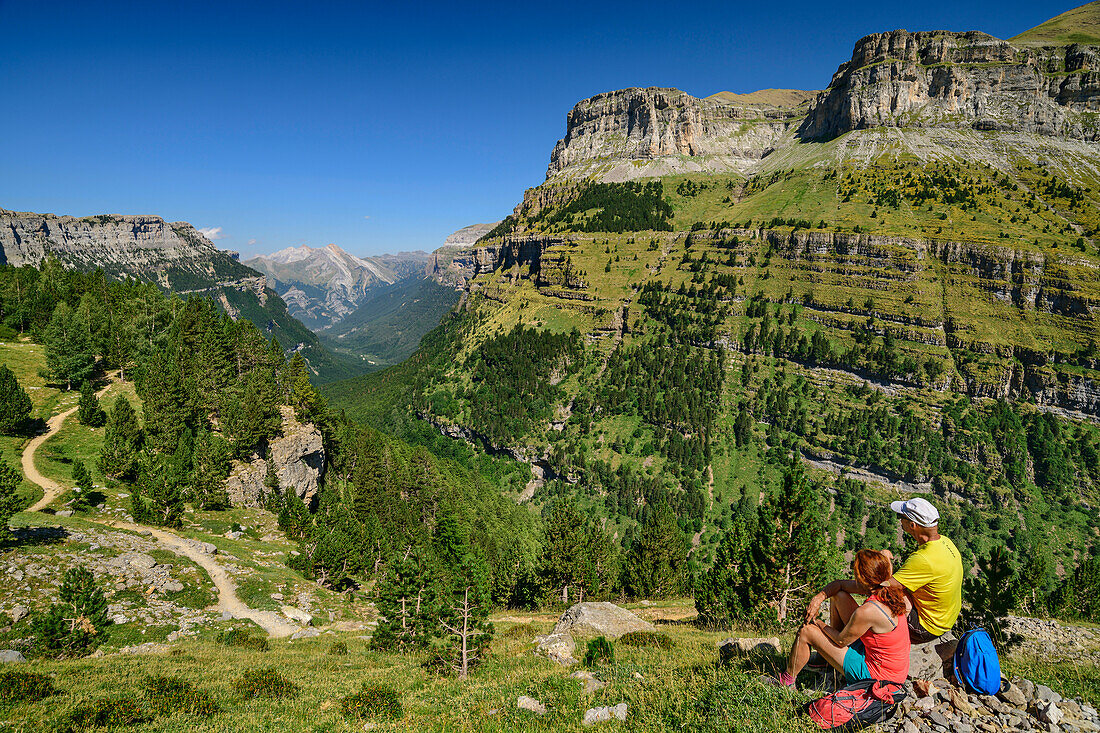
[878, 625]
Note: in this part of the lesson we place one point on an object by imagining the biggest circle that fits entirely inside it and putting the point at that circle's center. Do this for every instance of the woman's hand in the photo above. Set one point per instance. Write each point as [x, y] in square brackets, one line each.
[814, 607]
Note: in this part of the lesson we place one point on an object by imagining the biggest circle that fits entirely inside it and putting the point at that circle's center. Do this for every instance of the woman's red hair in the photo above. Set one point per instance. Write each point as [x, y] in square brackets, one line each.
[873, 569]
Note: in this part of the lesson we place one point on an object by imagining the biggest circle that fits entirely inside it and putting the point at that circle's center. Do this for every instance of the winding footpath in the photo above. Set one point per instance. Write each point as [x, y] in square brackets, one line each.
[228, 601]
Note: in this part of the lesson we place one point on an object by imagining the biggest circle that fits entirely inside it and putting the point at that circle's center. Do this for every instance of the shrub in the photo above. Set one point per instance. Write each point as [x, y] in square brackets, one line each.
[599, 651]
[103, 712]
[73, 627]
[25, 687]
[265, 682]
[241, 638]
[176, 696]
[646, 639]
[373, 701]
[338, 649]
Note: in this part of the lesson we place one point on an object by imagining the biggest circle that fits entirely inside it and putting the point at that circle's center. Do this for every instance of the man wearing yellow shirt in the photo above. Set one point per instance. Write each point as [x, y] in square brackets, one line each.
[932, 578]
[933, 574]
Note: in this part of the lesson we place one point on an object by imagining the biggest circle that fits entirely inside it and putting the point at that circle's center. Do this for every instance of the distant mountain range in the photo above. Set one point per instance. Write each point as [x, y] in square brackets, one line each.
[324, 285]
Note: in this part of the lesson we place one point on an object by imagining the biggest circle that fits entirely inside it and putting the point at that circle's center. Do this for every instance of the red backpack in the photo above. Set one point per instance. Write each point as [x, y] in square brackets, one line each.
[857, 706]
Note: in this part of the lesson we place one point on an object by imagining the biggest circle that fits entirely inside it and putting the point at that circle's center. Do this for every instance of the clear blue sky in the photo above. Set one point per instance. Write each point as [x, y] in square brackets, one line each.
[379, 127]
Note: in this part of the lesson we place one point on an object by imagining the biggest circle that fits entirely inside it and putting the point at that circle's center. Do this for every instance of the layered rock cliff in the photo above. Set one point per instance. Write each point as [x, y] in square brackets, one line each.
[298, 461]
[656, 124]
[962, 80]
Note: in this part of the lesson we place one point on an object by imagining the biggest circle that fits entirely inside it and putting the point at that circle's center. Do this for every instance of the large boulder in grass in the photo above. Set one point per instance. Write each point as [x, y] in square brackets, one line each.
[600, 619]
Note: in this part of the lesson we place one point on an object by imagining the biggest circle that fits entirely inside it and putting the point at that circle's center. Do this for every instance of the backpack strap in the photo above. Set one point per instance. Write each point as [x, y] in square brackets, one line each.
[880, 607]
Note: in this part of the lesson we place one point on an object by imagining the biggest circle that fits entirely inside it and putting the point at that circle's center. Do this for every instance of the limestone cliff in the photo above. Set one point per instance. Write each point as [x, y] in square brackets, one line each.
[655, 131]
[961, 80]
[298, 455]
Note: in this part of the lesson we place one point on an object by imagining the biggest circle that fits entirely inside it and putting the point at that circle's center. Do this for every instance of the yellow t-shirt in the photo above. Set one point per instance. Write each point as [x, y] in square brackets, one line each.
[934, 575]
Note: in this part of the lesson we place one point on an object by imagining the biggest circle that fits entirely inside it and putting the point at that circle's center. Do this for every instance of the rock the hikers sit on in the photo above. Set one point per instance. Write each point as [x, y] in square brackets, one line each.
[931, 577]
[865, 642]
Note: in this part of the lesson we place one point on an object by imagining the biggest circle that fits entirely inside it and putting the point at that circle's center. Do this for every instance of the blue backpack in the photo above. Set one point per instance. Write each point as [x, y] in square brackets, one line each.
[976, 665]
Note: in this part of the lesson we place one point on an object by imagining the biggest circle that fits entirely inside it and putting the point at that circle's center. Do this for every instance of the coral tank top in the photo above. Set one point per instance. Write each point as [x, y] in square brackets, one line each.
[887, 654]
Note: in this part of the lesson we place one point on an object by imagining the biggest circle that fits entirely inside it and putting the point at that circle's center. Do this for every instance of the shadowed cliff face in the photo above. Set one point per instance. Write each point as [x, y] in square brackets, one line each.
[960, 80]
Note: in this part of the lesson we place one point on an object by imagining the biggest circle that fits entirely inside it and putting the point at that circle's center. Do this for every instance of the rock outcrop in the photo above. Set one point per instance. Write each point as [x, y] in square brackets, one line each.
[968, 80]
[298, 456]
[619, 132]
[600, 619]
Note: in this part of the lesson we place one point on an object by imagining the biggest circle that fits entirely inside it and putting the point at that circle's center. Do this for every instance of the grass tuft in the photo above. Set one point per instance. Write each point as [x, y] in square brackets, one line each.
[338, 649]
[104, 712]
[241, 638]
[599, 650]
[653, 639]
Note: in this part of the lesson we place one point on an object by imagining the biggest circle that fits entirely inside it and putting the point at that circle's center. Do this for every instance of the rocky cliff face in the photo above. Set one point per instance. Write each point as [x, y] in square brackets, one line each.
[644, 126]
[298, 456]
[962, 80]
[143, 246]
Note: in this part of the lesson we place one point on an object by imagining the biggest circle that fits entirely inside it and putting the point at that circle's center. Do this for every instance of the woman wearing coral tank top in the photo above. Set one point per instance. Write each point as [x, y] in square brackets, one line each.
[868, 641]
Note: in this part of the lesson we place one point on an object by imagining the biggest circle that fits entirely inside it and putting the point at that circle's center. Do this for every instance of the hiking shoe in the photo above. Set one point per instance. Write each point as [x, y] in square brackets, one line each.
[771, 681]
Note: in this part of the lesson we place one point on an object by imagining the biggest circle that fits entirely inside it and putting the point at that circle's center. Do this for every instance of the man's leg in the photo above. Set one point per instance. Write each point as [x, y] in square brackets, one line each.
[841, 608]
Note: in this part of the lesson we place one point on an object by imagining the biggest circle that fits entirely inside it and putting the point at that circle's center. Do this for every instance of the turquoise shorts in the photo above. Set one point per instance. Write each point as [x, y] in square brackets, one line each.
[855, 666]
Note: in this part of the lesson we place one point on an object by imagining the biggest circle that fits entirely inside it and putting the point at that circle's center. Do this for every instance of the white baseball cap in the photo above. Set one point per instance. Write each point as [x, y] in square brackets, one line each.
[919, 511]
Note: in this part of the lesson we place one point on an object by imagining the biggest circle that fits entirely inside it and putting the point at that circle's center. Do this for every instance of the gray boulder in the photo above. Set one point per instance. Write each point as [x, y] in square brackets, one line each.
[600, 619]
[604, 714]
[557, 648]
[928, 661]
[733, 648]
[19, 613]
[10, 656]
[298, 458]
[531, 704]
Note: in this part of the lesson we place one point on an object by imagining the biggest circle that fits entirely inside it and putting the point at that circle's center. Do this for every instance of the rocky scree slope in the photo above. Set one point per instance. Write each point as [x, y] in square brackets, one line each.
[174, 255]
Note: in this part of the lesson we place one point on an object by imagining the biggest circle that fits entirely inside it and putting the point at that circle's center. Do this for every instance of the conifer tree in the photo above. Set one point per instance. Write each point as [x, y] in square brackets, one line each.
[731, 590]
[657, 561]
[1078, 596]
[88, 410]
[159, 490]
[210, 470]
[464, 614]
[9, 502]
[15, 405]
[82, 481]
[74, 625]
[69, 355]
[992, 595]
[407, 601]
[121, 441]
[308, 405]
[167, 402]
[578, 559]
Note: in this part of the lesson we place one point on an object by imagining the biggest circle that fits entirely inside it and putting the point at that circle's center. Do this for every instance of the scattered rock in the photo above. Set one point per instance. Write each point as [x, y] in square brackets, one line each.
[149, 647]
[600, 619]
[1013, 695]
[64, 513]
[19, 613]
[589, 680]
[296, 614]
[1047, 711]
[732, 648]
[926, 661]
[10, 656]
[306, 633]
[557, 648]
[529, 703]
[234, 535]
[141, 561]
[601, 715]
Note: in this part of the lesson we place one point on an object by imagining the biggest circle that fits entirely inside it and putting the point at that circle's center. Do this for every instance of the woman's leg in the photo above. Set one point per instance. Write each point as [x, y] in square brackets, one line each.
[813, 636]
[841, 608]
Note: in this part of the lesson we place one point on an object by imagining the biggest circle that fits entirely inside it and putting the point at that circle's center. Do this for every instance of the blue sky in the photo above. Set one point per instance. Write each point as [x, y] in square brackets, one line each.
[380, 127]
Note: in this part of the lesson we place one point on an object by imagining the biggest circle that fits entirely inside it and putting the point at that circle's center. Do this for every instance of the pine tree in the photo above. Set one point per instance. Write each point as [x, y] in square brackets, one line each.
[210, 470]
[74, 626]
[69, 355]
[88, 410]
[82, 481]
[800, 552]
[578, 560]
[464, 614]
[121, 441]
[656, 564]
[407, 601]
[251, 420]
[167, 402]
[9, 501]
[730, 590]
[992, 595]
[308, 405]
[1078, 596]
[160, 490]
[15, 405]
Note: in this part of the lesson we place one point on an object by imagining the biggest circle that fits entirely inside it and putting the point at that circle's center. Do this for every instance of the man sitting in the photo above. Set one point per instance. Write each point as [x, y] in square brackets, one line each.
[932, 576]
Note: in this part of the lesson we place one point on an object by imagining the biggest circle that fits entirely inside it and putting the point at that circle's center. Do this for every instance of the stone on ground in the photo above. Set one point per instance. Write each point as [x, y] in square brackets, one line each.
[732, 648]
[296, 614]
[928, 661]
[600, 619]
[601, 715]
[529, 703]
[557, 648]
[10, 656]
[591, 683]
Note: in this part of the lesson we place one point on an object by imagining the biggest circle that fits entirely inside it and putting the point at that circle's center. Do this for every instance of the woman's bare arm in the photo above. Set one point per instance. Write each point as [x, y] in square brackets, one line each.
[856, 627]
